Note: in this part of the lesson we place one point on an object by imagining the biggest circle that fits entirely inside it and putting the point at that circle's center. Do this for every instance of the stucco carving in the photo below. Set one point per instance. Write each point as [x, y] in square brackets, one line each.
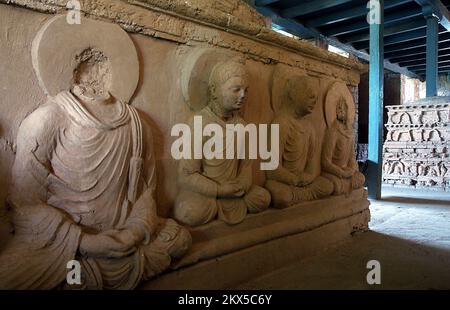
[296, 180]
[417, 144]
[167, 34]
[197, 68]
[85, 161]
[58, 34]
[219, 188]
[156, 18]
[338, 153]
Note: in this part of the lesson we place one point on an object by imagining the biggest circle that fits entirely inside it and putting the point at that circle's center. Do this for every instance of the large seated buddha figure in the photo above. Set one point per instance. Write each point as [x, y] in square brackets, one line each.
[83, 180]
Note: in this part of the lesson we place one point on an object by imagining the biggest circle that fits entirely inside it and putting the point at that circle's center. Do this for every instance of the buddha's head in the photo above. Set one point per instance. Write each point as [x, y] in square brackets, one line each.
[302, 93]
[342, 110]
[228, 87]
[92, 77]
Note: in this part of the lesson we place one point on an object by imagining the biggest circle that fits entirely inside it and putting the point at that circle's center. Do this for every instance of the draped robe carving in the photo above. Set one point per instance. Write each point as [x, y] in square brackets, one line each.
[77, 172]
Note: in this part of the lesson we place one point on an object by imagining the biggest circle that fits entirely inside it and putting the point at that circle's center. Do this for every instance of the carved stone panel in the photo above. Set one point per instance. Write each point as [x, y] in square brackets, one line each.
[416, 151]
[83, 181]
[86, 143]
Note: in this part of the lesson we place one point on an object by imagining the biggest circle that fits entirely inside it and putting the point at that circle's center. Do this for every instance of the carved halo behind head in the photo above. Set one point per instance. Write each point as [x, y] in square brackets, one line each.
[281, 76]
[59, 48]
[339, 91]
[196, 72]
[300, 84]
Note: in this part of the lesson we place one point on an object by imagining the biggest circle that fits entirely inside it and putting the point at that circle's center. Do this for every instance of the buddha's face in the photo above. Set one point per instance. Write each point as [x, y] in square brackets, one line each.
[304, 98]
[341, 111]
[233, 93]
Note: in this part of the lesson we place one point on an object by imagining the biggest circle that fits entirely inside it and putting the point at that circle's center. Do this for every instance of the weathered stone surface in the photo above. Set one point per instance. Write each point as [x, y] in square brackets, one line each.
[297, 178]
[167, 36]
[83, 179]
[222, 188]
[161, 64]
[338, 153]
[75, 38]
[186, 21]
[416, 151]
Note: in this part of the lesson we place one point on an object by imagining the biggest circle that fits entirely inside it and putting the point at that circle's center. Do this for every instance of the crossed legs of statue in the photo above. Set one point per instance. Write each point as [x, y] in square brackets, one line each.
[345, 186]
[171, 241]
[284, 195]
[195, 209]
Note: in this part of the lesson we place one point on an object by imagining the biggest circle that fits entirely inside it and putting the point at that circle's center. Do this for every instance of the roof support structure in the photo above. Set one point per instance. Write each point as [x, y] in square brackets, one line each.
[342, 15]
[298, 29]
[307, 7]
[376, 81]
[444, 37]
[432, 54]
[408, 36]
[438, 9]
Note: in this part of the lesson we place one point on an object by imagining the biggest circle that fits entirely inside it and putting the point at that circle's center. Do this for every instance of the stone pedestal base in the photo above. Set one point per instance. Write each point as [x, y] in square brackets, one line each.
[224, 256]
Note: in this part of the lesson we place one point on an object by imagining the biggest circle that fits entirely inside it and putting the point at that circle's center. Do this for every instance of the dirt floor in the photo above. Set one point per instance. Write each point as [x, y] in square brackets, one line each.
[410, 237]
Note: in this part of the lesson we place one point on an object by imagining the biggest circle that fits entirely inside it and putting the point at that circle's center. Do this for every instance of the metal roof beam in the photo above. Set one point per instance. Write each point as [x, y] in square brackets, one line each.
[265, 2]
[397, 29]
[421, 61]
[363, 25]
[418, 50]
[300, 30]
[423, 56]
[438, 9]
[441, 69]
[414, 43]
[424, 66]
[342, 15]
[295, 28]
[420, 73]
[398, 38]
[307, 7]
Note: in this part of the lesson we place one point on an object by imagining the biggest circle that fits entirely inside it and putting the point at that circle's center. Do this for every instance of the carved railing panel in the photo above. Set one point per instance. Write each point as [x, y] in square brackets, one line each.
[416, 151]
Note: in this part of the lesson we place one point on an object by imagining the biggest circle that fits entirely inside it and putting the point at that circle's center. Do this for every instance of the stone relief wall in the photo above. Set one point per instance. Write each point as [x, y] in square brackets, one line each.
[163, 42]
[141, 90]
[416, 151]
[83, 181]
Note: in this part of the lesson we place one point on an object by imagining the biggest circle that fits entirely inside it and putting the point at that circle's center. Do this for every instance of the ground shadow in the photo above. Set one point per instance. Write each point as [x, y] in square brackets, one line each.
[404, 265]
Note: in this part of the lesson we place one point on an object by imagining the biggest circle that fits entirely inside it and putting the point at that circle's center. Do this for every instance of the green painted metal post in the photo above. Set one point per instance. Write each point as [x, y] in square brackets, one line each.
[432, 53]
[376, 80]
